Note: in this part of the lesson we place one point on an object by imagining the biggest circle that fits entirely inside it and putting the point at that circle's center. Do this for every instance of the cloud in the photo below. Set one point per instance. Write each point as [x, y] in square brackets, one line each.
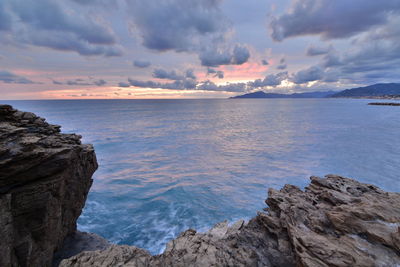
[216, 57]
[188, 26]
[9, 77]
[178, 25]
[191, 84]
[282, 64]
[240, 55]
[5, 18]
[141, 63]
[317, 50]
[81, 82]
[57, 82]
[229, 87]
[332, 19]
[371, 57]
[176, 85]
[173, 75]
[269, 80]
[310, 74]
[264, 62]
[215, 73]
[100, 82]
[124, 84]
[190, 74]
[56, 25]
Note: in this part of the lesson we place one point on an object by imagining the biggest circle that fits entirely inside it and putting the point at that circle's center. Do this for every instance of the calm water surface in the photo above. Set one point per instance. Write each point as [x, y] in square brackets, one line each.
[167, 165]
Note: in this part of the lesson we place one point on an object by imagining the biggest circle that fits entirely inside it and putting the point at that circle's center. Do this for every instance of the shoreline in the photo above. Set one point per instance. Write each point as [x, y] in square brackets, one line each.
[48, 174]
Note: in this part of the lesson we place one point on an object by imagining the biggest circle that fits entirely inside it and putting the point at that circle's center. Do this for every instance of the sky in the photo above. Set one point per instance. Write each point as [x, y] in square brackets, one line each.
[100, 49]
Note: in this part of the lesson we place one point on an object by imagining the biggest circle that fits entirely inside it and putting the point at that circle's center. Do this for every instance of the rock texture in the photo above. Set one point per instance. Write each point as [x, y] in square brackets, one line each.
[336, 221]
[44, 180]
[45, 177]
[78, 242]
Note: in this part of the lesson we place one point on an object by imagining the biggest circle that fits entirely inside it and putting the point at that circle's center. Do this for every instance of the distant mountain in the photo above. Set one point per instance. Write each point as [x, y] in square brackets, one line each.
[380, 89]
[261, 94]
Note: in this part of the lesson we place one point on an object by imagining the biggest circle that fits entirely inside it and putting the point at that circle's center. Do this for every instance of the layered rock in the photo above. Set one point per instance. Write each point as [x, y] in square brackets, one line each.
[336, 221]
[45, 177]
[44, 180]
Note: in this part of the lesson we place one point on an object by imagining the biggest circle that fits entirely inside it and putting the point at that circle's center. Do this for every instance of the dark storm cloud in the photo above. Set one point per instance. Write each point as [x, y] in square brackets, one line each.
[216, 57]
[141, 63]
[54, 25]
[332, 19]
[9, 77]
[317, 50]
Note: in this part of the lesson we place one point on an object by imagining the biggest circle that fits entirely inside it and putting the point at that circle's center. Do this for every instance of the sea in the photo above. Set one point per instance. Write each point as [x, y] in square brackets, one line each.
[169, 165]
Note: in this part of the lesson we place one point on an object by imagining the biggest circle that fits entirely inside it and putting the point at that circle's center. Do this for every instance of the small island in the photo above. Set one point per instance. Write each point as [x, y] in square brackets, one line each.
[384, 104]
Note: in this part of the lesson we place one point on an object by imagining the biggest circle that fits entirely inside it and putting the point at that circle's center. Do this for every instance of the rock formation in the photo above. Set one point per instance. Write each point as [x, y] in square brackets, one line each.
[45, 177]
[336, 221]
[44, 180]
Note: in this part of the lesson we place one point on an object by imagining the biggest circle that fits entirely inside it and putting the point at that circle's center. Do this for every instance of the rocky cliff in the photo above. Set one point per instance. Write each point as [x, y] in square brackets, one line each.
[45, 177]
[336, 221]
[44, 180]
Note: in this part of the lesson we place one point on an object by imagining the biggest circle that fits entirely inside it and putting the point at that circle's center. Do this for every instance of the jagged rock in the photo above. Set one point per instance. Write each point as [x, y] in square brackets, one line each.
[78, 242]
[44, 180]
[336, 221]
[45, 177]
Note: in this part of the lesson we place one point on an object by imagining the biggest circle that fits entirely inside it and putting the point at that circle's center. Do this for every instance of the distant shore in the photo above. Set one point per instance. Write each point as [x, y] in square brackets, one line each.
[383, 104]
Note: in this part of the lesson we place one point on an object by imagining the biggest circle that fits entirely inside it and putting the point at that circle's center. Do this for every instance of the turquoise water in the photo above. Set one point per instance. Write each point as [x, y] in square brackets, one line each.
[169, 165]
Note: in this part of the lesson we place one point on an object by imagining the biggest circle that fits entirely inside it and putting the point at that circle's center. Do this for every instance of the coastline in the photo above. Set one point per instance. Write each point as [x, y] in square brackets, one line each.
[353, 223]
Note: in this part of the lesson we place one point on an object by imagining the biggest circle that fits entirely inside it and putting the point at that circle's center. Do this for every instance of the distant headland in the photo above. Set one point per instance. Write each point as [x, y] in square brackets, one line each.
[376, 91]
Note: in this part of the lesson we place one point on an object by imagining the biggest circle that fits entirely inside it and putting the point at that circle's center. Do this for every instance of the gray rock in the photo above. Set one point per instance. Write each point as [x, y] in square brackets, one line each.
[44, 180]
[45, 177]
[77, 243]
[336, 221]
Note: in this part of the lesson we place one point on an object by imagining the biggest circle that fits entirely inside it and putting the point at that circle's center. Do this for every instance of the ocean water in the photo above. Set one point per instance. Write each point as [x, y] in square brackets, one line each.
[169, 165]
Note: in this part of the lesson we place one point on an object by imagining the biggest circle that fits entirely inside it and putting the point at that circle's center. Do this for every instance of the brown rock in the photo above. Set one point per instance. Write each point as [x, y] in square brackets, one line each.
[336, 221]
[44, 180]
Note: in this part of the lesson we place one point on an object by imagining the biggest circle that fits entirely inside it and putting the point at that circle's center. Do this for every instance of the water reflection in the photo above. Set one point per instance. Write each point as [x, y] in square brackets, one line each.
[167, 165]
